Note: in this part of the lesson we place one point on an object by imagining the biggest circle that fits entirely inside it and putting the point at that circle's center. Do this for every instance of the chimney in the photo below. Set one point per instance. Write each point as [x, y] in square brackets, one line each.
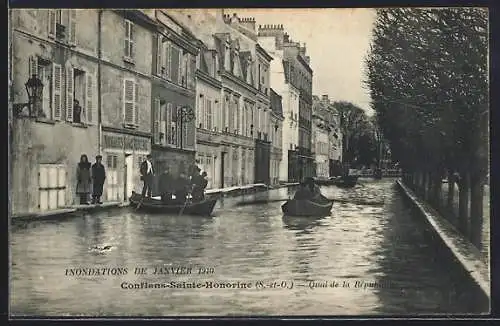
[303, 50]
[234, 19]
[286, 38]
[275, 31]
[248, 23]
[325, 99]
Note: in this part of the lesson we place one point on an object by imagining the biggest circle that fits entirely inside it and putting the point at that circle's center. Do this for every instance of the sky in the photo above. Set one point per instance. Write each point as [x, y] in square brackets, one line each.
[337, 41]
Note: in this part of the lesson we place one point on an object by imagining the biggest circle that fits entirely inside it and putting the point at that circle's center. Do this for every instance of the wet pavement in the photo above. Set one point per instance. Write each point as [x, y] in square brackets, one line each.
[374, 259]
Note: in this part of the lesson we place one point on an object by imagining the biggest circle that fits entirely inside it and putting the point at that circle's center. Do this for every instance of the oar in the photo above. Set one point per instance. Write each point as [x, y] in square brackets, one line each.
[344, 201]
[185, 203]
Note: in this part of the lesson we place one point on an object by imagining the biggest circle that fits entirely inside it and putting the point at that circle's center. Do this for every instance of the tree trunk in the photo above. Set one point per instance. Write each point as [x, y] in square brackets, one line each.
[463, 203]
[451, 191]
[428, 191]
[476, 210]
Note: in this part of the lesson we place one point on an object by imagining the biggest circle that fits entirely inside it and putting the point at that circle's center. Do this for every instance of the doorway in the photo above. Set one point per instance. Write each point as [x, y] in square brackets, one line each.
[129, 180]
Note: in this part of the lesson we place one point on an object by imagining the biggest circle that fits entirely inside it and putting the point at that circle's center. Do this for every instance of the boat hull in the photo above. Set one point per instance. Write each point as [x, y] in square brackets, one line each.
[203, 208]
[306, 208]
[346, 182]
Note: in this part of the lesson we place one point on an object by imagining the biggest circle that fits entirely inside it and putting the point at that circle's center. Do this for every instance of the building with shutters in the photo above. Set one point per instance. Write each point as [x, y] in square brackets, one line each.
[241, 113]
[277, 119]
[273, 38]
[173, 94]
[126, 47]
[60, 47]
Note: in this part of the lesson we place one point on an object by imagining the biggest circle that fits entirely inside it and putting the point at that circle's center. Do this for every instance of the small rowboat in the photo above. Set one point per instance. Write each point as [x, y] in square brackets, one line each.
[202, 208]
[295, 207]
[346, 182]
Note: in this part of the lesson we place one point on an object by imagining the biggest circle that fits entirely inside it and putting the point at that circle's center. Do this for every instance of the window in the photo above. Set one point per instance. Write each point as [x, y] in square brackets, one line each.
[112, 184]
[51, 186]
[209, 115]
[62, 24]
[174, 64]
[235, 112]
[80, 90]
[201, 111]
[130, 105]
[156, 121]
[171, 125]
[42, 69]
[129, 39]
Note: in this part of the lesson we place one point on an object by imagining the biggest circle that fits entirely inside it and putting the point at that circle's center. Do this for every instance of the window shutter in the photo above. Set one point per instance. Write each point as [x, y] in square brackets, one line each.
[72, 26]
[159, 55]
[128, 101]
[57, 82]
[156, 126]
[89, 97]
[69, 93]
[33, 66]
[168, 58]
[132, 39]
[127, 39]
[136, 104]
[180, 67]
[52, 22]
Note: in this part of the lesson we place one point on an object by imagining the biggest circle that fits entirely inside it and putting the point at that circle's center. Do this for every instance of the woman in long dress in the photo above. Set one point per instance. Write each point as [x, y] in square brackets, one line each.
[83, 179]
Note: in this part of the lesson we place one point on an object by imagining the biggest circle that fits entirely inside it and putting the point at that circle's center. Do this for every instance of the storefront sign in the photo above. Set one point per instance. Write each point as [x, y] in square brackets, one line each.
[126, 142]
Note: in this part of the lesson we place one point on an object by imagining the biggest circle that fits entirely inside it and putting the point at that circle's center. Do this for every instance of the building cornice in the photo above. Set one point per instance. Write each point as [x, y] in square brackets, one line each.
[238, 81]
[208, 79]
[264, 53]
[132, 132]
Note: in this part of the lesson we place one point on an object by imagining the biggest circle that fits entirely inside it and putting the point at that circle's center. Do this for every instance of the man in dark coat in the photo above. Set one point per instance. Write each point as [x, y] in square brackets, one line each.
[197, 184]
[182, 188]
[98, 177]
[147, 174]
[166, 185]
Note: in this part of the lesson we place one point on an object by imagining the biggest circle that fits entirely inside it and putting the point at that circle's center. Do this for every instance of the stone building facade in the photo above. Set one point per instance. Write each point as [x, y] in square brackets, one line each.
[46, 147]
[173, 98]
[243, 113]
[95, 66]
[321, 130]
[126, 44]
[277, 119]
[285, 82]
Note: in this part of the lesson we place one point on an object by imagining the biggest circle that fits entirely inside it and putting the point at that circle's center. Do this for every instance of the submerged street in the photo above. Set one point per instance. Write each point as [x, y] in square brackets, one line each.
[387, 247]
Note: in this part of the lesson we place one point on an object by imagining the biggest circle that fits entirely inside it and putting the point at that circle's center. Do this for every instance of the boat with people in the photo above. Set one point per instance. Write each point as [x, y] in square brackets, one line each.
[307, 207]
[204, 207]
[347, 181]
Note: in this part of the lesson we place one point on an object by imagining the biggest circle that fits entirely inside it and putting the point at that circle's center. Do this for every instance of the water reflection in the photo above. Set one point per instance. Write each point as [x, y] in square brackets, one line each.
[248, 243]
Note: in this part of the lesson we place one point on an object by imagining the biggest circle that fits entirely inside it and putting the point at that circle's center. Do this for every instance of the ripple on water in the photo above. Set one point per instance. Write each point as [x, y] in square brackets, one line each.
[356, 243]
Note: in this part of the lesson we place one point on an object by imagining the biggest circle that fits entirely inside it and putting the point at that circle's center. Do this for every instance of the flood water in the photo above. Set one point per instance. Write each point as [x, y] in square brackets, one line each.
[382, 259]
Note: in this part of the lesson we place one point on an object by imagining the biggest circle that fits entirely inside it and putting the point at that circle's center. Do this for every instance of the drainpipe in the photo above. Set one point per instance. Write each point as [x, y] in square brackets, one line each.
[99, 58]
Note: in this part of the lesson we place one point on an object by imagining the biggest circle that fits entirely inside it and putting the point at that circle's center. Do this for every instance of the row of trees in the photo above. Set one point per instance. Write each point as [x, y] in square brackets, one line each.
[360, 145]
[428, 78]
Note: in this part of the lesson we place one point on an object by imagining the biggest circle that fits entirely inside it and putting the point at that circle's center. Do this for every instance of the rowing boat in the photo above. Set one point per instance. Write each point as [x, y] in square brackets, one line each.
[304, 207]
[202, 208]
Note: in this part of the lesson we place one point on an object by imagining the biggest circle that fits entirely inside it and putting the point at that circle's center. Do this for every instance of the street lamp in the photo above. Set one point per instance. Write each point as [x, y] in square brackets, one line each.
[34, 88]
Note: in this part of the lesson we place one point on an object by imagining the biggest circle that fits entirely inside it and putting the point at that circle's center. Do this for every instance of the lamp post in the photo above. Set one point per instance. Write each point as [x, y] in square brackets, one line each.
[34, 88]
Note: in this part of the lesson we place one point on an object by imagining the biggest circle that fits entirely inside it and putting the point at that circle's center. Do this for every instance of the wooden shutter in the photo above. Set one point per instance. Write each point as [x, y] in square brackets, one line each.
[89, 93]
[128, 101]
[180, 67]
[127, 38]
[136, 104]
[156, 124]
[72, 26]
[159, 55]
[191, 72]
[168, 58]
[132, 40]
[52, 22]
[56, 88]
[33, 66]
[69, 93]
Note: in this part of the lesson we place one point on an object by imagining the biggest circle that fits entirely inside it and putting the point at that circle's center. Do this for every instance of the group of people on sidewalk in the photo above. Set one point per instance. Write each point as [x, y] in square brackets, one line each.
[90, 179]
[193, 183]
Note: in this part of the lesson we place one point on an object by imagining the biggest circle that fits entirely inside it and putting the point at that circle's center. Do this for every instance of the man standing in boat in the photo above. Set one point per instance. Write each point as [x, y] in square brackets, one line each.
[147, 174]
